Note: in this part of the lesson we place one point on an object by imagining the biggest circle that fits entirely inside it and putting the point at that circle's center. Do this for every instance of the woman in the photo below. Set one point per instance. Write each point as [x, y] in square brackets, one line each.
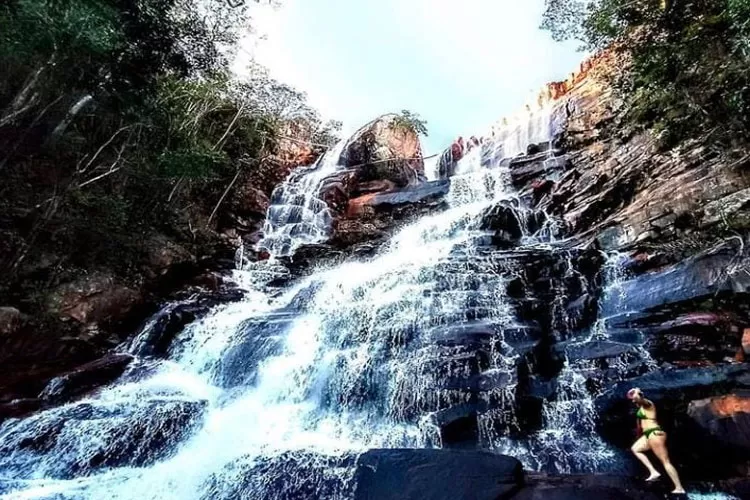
[652, 437]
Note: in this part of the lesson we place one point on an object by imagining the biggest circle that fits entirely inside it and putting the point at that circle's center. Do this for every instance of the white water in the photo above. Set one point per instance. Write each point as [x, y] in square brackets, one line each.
[297, 216]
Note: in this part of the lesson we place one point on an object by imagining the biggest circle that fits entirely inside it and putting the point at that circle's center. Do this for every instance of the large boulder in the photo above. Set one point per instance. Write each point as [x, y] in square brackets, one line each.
[434, 474]
[385, 149]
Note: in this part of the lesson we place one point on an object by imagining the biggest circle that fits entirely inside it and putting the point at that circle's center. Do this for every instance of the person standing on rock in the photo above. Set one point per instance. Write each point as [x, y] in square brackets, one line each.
[652, 437]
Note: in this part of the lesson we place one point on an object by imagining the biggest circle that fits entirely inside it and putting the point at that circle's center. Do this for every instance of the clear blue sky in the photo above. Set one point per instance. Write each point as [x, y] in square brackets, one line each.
[461, 65]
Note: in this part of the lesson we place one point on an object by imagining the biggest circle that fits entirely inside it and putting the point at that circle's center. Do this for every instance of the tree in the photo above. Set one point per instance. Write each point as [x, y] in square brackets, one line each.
[689, 72]
[412, 122]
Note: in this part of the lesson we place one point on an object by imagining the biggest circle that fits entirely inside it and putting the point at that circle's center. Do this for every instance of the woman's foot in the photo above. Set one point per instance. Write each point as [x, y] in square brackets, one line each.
[653, 477]
[678, 492]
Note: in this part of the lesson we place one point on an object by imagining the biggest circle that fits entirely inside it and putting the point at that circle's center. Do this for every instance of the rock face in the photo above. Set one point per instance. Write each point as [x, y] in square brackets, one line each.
[385, 149]
[94, 300]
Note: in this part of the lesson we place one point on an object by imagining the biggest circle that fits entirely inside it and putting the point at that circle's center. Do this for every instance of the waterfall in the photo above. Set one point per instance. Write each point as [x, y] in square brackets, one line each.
[274, 396]
[297, 215]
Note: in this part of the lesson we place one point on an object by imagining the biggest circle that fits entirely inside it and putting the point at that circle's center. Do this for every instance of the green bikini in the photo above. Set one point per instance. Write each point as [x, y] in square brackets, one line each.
[641, 415]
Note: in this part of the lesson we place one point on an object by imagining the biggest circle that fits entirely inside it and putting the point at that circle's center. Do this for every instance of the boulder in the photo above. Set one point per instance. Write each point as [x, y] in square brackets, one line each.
[385, 149]
[163, 255]
[249, 201]
[434, 474]
[85, 378]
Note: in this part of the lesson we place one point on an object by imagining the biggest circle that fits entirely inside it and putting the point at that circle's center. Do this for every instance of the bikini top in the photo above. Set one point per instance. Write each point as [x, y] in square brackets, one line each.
[641, 415]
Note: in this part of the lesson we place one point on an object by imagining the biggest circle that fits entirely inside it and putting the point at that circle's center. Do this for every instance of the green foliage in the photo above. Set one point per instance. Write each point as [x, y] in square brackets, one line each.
[690, 60]
[119, 120]
[410, 121]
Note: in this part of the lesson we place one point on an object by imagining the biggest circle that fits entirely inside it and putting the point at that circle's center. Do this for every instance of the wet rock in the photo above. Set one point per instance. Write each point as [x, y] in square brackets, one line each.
[599, 487]
[308, 257]
[85, 378]
[502, 218]
[372, 217]
[448, 161]
[535, 167]
[373, 187]
[399, 474]
[426, 194]
[471, 334]
[247, 200]
[288, 476]
[260, 338]
[157, 336]
[385, 149]
[594, 350]
[18, 408]
[696, 278]
[540, 189]
[136, 433]
[458, 425]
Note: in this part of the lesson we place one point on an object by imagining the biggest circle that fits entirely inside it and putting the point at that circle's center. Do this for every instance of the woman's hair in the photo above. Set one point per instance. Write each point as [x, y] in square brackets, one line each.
[632, 393]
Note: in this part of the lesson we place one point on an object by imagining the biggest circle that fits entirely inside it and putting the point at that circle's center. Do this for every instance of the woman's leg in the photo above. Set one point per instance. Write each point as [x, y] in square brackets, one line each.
[640, 448]
[658, 443]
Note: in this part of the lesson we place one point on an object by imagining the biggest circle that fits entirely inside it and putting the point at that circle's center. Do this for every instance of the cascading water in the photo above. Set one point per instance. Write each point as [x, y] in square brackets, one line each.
[270, 397]
[297, 216]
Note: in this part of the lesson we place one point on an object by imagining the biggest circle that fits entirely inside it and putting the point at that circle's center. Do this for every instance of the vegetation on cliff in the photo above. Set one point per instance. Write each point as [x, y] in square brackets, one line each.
[119, 122]
[690, 61]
